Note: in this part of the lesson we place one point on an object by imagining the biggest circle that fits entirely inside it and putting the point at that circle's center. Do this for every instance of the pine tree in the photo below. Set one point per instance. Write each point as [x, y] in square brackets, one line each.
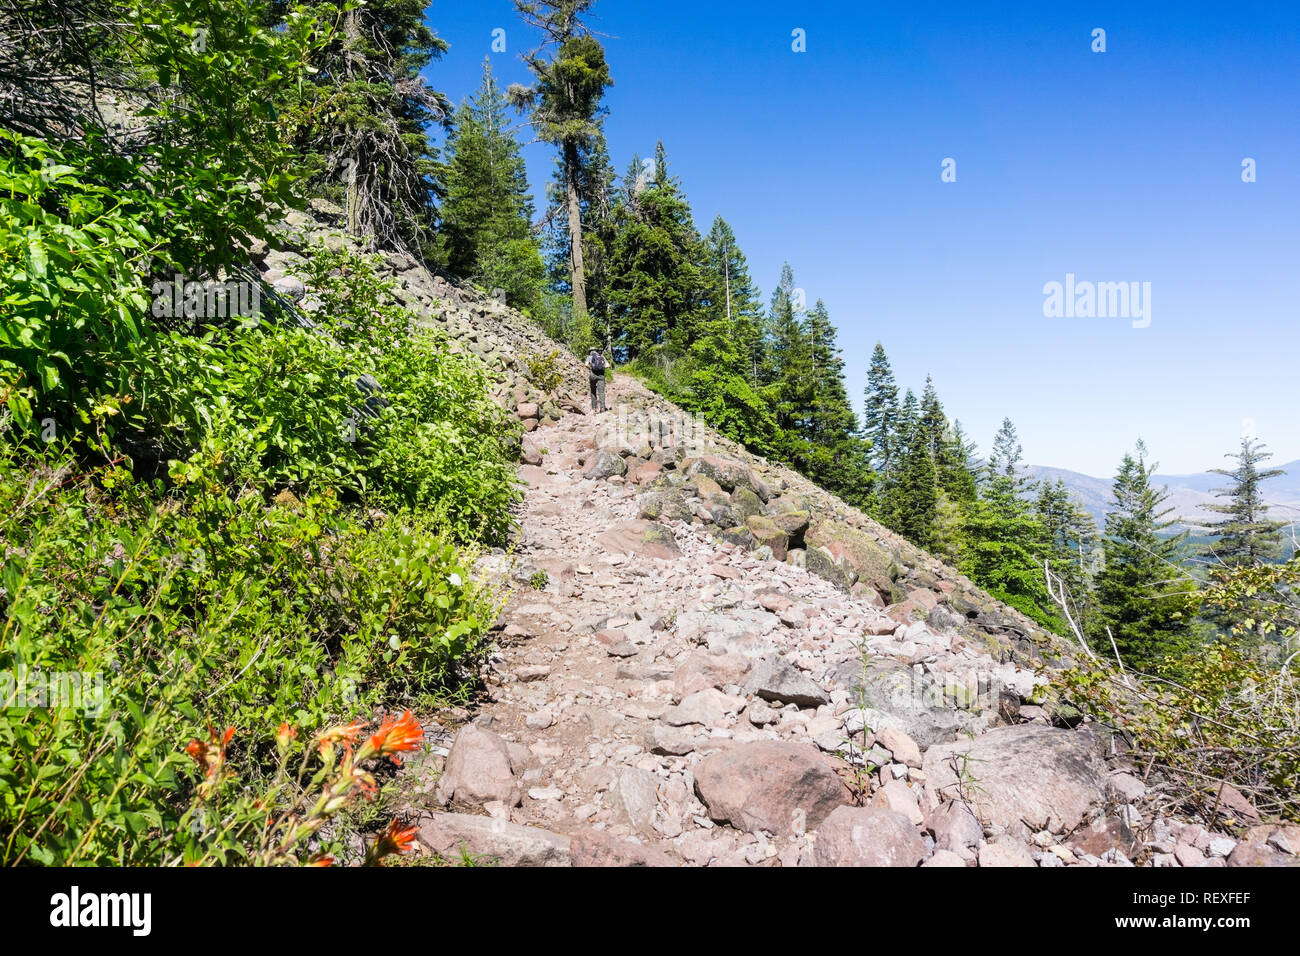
[654, 273]
[730, 296]
[1140, 592]
[566, 107]
[838, 456]
[361, 120]
[486, 217]
[1004, 543]
[915, 490]
[724, 354]
[1245, 536]
[1072, 546]
[880, 417]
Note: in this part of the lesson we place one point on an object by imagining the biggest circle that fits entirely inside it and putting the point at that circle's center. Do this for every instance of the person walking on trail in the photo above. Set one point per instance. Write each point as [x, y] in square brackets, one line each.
[596, 366]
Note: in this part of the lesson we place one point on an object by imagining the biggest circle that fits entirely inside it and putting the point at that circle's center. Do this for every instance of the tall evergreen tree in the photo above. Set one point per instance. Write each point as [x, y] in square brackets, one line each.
[1072, 546]
[654, 273]
[1140, 590]
[361, 120]
[880, 418]
[1004, 543]
[838, 456]
[729, 295]
[486, 216]
[566, 106]
[1245, 536]
[915, 489]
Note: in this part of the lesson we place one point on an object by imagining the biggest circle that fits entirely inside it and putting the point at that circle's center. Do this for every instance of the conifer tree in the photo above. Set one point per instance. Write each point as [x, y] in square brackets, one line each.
[565, 100]
[729, 295]
[1072, 546]
[361, 120]
[1245, 536]
[1140, 591]
[654, 272]
[486, 215]
[915, 490]
[880, 417]
[1004, 544]
[838, 457]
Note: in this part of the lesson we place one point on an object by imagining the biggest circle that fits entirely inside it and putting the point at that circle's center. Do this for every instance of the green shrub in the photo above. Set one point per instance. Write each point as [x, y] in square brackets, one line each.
[198, 608]
[544, 369]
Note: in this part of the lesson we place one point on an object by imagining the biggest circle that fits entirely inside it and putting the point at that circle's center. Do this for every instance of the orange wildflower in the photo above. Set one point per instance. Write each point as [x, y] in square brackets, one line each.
[346, 733]
[394, 736]
[395, 839]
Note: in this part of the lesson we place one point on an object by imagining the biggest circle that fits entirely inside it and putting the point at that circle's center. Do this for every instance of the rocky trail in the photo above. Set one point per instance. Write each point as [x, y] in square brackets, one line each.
[707, 660]
[668, 694]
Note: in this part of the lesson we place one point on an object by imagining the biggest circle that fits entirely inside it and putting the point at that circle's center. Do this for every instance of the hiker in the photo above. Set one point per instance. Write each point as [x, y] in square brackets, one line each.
[596, 366]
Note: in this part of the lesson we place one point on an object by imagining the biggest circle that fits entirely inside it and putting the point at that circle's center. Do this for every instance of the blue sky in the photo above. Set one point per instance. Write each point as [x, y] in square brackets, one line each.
[1122, 166]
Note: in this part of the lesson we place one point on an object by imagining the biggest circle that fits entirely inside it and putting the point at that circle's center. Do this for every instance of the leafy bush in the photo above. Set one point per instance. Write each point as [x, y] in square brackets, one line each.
[196, 608]
[1228, 718]
[544, 369]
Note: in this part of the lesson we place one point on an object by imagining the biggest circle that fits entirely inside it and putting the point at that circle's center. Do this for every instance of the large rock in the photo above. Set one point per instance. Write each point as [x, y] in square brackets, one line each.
[766, 532]
[479, 769]
[702, 670]
[895, 695]
[645, 538]
[594, 848]
[766, 785]
[708, 707]
[793, 524]
[868, 559]
[780, 681]
[671, 505]
[868, 836]
[839, 571]
[721, 511]
[729, 474]
[604, 464]
[1041, 777]
[955, 828]
[490, 841]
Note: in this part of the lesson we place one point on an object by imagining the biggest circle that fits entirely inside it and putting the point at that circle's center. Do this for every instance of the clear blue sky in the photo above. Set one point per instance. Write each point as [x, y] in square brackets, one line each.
[1115, 166]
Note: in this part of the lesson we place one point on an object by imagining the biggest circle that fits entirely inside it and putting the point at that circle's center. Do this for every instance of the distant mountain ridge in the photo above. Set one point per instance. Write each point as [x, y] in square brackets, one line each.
[1187, 493]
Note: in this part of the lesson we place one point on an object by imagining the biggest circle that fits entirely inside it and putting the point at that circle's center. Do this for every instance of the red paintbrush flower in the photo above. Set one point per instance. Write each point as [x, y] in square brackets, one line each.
[395, 839]
[394, 736]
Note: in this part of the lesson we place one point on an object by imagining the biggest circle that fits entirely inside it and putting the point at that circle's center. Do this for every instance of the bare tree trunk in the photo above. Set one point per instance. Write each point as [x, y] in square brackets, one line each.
[576, 278]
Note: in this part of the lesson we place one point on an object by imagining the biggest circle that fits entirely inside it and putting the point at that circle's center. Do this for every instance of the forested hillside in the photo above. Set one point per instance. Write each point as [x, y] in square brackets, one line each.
[279, 322]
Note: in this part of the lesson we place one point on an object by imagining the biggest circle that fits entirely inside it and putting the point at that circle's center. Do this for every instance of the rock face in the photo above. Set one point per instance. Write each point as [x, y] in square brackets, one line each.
[867, 836]
[479, 770]
[491, 841]
[782, 682]
[766, 785]
[645, 538]
[593, 848]
[1030, 775]
[903, 699]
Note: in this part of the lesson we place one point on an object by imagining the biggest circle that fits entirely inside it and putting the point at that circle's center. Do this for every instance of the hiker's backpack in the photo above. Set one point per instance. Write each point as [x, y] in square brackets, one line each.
[597, 364]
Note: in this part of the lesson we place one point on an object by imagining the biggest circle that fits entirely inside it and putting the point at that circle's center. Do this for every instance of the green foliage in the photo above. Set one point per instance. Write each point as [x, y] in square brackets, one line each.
[1227, 719]
[72, 294]
[486, 214]
[196, 607]
[1245, 536]
[1142, 590]
[654, 277]
[544, 370]
[359, 121]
